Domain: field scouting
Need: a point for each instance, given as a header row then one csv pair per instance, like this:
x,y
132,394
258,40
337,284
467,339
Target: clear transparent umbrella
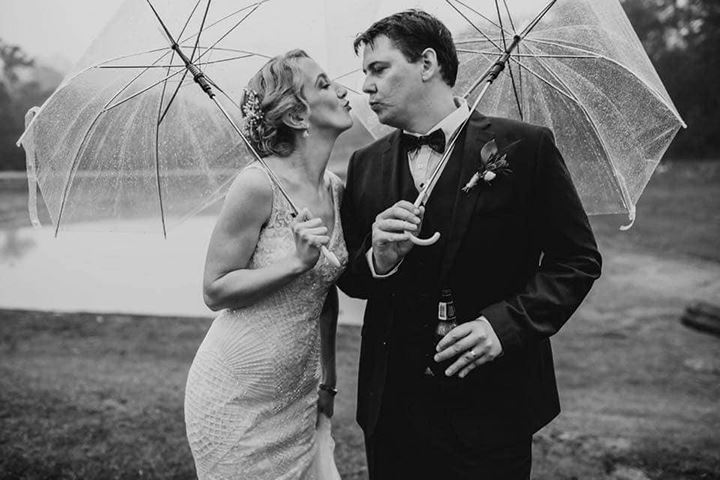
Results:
x,y
144,132
575,66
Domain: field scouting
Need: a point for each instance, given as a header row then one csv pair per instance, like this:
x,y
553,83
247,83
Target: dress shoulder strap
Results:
x,y
338,188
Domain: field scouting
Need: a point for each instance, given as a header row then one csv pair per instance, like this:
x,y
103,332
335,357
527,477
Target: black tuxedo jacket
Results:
x,y
518,250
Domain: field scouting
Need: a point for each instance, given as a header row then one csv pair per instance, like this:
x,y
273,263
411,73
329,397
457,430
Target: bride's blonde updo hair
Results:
x,y
276,89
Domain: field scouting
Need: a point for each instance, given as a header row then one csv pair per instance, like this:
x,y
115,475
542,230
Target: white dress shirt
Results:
x,y
423,161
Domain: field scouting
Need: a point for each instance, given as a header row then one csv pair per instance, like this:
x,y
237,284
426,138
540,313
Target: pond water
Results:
x,y
95,271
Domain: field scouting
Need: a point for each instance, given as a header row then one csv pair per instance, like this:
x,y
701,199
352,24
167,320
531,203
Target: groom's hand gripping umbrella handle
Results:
x,y
423,242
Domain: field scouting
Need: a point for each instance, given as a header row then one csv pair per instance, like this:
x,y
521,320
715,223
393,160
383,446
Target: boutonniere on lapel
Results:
x,y
493,162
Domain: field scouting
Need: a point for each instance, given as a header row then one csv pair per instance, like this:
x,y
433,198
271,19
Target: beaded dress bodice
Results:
x,y
251,394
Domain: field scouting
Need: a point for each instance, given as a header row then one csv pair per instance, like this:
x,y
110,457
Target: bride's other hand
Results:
x,y
310,235
326,403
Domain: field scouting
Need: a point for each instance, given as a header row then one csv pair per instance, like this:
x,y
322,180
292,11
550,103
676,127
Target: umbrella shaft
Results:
x,y
197,74
425,192
257,156
499,65
331,257
494,70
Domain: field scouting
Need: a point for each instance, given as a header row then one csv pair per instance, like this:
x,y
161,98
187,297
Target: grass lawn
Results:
x,y
100,396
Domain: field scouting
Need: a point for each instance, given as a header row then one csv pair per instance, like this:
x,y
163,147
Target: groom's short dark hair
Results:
x,y
412,31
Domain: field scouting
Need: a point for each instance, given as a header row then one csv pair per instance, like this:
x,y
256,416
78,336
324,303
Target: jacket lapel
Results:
x,y
478,133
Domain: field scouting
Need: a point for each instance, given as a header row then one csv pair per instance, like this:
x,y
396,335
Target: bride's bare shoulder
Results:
x,y
250,195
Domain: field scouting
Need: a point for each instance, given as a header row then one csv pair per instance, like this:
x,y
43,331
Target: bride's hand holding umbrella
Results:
x,y
311,236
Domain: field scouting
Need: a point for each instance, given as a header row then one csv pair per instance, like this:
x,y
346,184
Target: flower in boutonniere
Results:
x,y
493,162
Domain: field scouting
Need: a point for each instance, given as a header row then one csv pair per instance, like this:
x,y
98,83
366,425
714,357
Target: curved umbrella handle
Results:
x,y
424,242
331,257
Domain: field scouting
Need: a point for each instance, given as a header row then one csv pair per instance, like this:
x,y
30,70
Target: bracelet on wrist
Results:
x,y
328,388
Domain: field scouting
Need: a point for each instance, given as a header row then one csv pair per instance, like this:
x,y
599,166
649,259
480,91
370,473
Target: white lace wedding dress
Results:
x,y
251,394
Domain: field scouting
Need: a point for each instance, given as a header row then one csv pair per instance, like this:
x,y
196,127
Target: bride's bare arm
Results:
x,y
227,282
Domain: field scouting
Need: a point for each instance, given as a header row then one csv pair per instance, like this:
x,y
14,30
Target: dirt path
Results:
x,y
639,390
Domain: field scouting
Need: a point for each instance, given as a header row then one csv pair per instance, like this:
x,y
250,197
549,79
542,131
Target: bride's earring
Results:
x,y
306,132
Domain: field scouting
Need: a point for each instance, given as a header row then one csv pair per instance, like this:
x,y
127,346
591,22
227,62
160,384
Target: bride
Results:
x,y
264,375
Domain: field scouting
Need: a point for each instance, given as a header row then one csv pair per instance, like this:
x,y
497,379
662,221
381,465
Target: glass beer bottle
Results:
x,y
446,322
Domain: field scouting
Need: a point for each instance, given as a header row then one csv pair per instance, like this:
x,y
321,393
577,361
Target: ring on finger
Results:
x,y
472,353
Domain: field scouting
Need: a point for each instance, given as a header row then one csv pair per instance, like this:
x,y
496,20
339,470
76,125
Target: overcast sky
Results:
x,y
52,28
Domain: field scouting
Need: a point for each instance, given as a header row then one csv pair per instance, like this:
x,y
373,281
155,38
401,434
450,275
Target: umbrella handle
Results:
x,y
331,257
424,242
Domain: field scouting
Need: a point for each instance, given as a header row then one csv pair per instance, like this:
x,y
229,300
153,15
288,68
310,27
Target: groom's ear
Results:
x,y
295,120
429,64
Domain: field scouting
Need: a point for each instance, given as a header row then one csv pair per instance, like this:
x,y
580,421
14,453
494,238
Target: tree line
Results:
x,y
682,38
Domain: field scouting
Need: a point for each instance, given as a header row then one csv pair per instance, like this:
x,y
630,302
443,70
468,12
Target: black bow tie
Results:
x,y
435,140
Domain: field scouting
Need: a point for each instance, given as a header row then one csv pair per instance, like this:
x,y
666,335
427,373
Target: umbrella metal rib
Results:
x,y
209,49
484,17
211,62
161,116
512,77
525,55
202,25
507,10
172,98
483,34
254,6
149,87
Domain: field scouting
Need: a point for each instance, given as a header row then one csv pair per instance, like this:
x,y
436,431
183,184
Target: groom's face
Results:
x,y
393,84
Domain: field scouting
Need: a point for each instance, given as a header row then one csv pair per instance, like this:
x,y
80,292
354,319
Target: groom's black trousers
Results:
x,y
419,437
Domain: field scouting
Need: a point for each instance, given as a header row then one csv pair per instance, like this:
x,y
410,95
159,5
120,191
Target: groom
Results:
x,y
516,254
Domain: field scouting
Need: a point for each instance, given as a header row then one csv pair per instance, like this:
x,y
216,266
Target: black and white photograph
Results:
x,y
360,240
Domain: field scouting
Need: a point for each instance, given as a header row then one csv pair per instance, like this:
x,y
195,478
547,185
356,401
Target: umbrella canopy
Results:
x,y
131,140
575,66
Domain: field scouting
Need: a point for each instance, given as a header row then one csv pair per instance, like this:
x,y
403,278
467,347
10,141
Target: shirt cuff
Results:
x,y
369,257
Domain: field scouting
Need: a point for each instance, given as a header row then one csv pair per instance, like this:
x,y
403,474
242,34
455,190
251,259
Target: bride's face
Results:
x,y
329,107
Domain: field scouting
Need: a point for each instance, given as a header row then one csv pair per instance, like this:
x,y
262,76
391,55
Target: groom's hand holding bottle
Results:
x,y
390,242
473,343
